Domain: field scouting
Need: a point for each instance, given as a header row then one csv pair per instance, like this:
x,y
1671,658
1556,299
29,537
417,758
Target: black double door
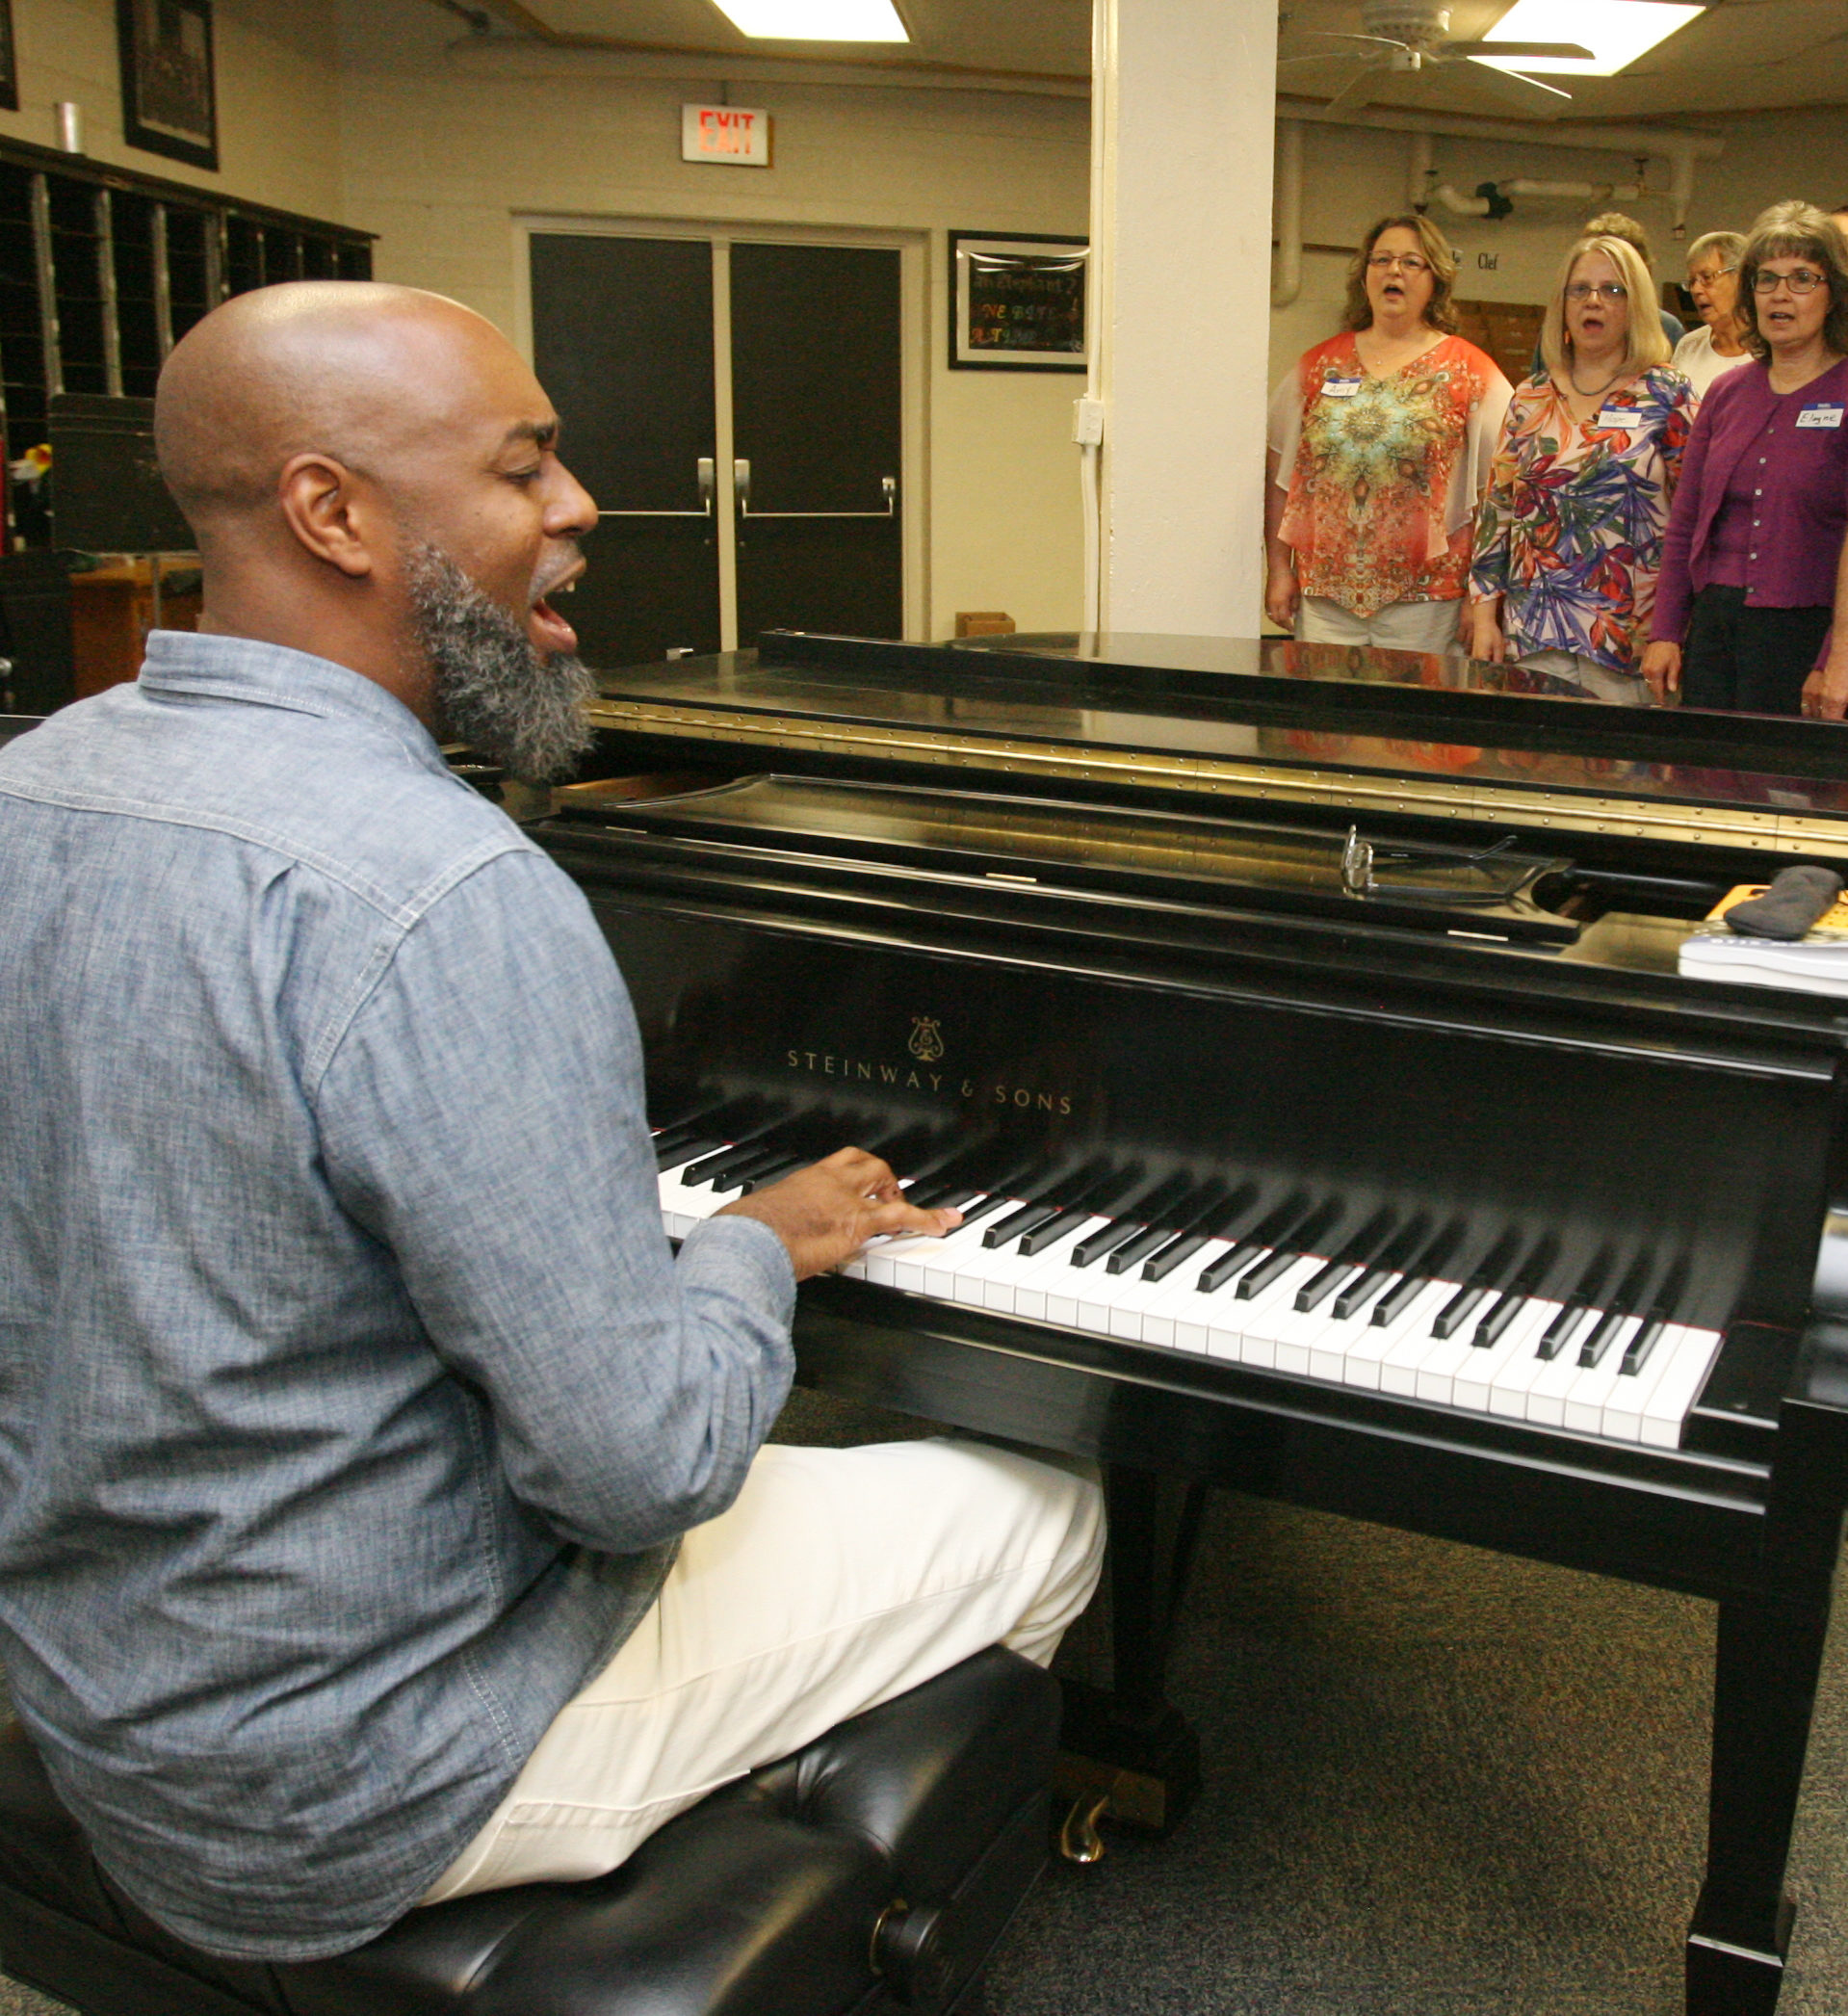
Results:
x,y
734,406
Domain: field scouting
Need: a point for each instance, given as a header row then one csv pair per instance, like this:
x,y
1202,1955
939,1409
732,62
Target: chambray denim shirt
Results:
x,y
350,1396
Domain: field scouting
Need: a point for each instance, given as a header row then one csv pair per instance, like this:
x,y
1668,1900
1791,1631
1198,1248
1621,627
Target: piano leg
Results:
x,y
1130,1753
1764,1688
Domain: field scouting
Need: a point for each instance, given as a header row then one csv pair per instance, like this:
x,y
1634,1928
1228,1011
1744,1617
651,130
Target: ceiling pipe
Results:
x,y
1286,280
1460,205
1664,142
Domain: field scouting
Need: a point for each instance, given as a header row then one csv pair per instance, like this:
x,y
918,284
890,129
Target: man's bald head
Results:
x,y
348,369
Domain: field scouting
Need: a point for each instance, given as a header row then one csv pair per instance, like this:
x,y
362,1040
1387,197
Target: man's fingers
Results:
x,y
900,1217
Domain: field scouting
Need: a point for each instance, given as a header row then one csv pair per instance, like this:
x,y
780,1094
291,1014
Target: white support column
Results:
x,y
1183,104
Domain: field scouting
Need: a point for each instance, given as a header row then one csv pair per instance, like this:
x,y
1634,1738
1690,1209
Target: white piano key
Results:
x,y
1557,1383
1632,1393
1269,1316
1138,1308
1473,1380
1362,1361
1030,1298
1591,1390
1515,1377
1666,1410
1184,1319
1402,1365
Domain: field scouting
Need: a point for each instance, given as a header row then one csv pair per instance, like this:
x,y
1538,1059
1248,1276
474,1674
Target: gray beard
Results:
x,y
491,688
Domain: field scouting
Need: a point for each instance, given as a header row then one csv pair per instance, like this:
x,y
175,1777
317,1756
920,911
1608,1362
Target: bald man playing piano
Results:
x,y
383,1509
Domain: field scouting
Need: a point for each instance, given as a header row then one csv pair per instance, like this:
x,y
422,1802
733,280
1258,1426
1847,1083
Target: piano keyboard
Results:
x,y
1209,1274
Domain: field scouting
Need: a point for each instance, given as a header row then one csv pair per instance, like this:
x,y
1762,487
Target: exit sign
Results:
x,y
737,135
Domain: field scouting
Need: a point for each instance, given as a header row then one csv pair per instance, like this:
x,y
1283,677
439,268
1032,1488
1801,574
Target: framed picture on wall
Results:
x,y
169,101
1017,304
9,60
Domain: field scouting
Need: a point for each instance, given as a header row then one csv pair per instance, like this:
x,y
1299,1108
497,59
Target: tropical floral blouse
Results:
x,y
1569,534
1382,475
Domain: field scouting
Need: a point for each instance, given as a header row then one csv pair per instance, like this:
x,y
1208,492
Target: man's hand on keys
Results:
x,y
827,1213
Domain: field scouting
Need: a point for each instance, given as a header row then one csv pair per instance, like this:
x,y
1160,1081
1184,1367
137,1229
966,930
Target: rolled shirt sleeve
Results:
x,y
483,1115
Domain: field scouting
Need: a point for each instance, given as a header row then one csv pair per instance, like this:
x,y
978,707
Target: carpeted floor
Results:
x,y
1439,1783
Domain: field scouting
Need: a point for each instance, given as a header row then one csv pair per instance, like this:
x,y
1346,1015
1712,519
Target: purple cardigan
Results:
x,y
1803,505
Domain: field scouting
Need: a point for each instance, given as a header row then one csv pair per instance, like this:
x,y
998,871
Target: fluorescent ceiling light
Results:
x,y
1617,32
819,20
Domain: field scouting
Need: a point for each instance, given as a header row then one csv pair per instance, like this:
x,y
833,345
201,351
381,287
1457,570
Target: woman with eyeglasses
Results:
x,y
1380,442
1569,538
1706,354
1742,610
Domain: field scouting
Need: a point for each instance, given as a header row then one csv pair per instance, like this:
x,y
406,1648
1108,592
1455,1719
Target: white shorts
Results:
x,y
1400,626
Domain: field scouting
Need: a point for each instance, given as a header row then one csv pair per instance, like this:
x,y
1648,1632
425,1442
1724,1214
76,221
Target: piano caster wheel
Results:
x,y
1079,1840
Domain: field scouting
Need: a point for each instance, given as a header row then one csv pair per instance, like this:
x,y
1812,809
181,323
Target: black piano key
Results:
x,y
1563,1328
687,1151
1636,1355
1599,1341
1145,1243
1458,1310
1518,1293
1490,1330
1355,1298
1318,1289
1027,1219
1061,1227
949,1196
783,1165
1228,1266
1392,1305
974,1213
714,1165
1256,1279
1181,1246
1249,1240
733,1173
1107,1239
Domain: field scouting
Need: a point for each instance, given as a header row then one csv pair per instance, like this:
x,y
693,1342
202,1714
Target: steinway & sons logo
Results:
x,y
927,1044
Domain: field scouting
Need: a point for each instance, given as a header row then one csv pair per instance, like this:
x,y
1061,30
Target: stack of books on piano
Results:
x,y
1816,963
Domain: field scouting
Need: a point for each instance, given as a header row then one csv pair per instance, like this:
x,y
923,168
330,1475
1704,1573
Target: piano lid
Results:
x,y
1162,857
1360,733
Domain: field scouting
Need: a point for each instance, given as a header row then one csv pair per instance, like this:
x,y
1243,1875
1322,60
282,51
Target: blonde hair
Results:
x,y
1436,248
1730,245
1645,342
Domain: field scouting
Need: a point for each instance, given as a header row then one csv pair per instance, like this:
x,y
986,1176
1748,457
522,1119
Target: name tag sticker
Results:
x,y
1339,387
1820,416
1620,416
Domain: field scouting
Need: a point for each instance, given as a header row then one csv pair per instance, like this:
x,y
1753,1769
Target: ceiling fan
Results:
x,y
1406,37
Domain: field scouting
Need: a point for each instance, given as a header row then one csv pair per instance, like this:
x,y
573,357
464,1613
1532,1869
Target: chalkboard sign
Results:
x,y
1017,304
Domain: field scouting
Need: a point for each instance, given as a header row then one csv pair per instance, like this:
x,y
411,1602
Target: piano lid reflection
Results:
x,y
1304,1044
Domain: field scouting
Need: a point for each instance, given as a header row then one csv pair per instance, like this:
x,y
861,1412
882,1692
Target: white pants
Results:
x,y
839,1577
1400,626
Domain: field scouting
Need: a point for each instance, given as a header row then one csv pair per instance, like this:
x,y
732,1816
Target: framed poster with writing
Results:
x,y
1017,304
170,102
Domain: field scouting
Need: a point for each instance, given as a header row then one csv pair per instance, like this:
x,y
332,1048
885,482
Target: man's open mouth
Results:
x,y
552,633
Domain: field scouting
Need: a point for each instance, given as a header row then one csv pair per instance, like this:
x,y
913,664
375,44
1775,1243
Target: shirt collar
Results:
x,y
258,674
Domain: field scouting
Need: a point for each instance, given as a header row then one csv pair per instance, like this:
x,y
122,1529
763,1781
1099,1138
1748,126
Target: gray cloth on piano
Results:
x,y
351,1398
1795,899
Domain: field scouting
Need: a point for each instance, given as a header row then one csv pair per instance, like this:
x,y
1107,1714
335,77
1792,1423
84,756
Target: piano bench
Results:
x,y
870,1872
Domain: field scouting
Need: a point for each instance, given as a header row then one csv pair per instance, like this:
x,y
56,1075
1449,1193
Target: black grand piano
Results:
x,y
1301,1031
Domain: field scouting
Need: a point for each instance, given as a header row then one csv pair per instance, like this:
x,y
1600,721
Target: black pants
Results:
x,y
1751,660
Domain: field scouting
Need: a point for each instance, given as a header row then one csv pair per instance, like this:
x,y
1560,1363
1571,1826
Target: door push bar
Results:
x,y
707,483
742,488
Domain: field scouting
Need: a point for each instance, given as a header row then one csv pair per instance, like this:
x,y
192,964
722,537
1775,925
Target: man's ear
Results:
x,y
332,511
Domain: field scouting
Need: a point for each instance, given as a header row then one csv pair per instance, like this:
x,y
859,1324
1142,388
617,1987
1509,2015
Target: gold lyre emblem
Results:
x,y
926,1039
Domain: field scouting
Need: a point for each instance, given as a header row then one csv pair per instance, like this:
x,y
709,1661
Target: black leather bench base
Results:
x,y
868,1873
